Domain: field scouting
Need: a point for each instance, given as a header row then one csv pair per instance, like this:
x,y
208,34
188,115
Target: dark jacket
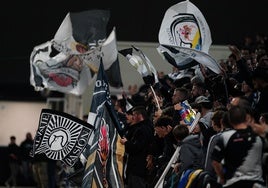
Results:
x,y
169,148
137,147
14,153
26,147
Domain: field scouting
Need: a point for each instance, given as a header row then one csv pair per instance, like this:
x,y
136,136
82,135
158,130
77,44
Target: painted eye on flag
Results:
x,y
185,26
185,31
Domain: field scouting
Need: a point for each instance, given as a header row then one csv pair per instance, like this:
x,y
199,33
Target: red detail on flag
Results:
x,y
61,80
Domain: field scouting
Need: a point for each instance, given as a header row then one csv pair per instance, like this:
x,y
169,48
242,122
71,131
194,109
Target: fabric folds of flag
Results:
x,y
141,63
82,31
110,57
101,168
68,62
62,72
185,58
185,38
61,136
108,54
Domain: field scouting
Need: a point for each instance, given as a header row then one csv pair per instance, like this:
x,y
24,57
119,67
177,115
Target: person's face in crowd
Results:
x,y
245,87
256,84
233,102
195,91
196,130
161,131
231,61
262,119
13,140
263,62
176,97
215,127
136,117
245,54
129,118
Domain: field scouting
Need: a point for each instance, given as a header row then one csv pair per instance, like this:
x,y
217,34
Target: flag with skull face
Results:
x,y
68,62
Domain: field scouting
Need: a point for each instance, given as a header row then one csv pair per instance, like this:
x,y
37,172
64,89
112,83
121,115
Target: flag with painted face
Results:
x,y
68,62
101,169
185,38
62,72
61,136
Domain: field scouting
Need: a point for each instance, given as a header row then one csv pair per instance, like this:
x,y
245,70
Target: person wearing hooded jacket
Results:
x,y
191,153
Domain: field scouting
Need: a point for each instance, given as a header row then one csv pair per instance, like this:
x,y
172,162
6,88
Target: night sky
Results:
x,y
26,24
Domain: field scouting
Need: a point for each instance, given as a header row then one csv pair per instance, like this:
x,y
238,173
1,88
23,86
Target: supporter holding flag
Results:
x,y
101,169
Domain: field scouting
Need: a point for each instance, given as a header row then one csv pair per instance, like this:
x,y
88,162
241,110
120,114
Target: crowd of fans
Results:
x,y
227,147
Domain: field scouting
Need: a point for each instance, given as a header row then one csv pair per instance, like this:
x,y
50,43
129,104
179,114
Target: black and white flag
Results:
x,y
61,136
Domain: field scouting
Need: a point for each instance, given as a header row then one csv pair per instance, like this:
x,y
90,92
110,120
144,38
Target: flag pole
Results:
x,y
173,159
158,106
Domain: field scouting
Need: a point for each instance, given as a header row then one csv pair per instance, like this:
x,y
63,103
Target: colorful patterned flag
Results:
x,y
102,166
61,136
188,115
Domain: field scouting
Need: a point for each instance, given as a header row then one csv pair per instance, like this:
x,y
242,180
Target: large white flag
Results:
x,y
68,71
184,37
68,62
184,25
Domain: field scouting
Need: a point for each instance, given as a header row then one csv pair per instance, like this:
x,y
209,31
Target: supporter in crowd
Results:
x,y
219,127
199,89
260,83
137,143
163,129
191,154
120,108
205,124
261,128
26,160
243,71
179,95
242,84
14,162
241,150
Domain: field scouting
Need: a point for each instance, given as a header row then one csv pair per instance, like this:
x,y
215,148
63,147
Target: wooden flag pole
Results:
x,y
158,106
